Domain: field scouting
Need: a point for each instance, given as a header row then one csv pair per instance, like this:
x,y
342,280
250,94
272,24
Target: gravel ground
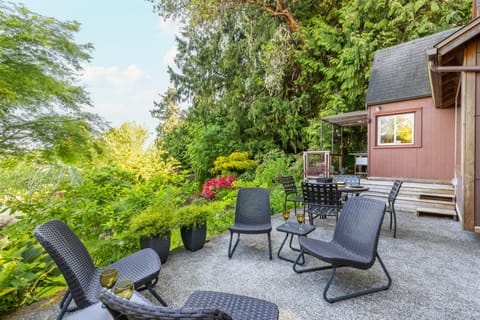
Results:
x,y
435,267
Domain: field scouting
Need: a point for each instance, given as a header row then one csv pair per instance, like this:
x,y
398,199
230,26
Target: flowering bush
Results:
x,y
213,187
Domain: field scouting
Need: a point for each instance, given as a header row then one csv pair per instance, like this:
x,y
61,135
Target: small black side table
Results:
x,y
293,229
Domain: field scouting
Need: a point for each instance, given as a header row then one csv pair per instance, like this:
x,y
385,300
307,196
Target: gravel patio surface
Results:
x,y
434,265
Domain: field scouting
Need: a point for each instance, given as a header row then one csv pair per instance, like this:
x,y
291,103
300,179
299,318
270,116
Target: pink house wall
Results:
x,y
432,155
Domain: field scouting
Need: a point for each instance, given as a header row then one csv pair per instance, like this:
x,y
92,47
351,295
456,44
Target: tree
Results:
x,y
39,68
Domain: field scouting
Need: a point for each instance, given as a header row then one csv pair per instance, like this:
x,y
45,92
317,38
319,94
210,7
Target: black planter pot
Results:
x,y
194,238
160,245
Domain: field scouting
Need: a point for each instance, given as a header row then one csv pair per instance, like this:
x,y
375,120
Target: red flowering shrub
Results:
x,y
213,187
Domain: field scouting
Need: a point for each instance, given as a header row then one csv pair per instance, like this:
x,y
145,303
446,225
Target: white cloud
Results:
x,y
169,57
168,27
113,75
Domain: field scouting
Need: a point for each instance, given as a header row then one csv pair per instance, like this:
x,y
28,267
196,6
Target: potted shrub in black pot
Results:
x,y
192,220
153,226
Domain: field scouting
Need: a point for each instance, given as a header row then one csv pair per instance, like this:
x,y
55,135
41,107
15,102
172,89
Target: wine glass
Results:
x,y
301,220
124,289
286,215
108,277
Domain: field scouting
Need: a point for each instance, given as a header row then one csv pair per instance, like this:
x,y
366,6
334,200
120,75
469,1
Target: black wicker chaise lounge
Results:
x,y
80,273
354,243
200,305
252,216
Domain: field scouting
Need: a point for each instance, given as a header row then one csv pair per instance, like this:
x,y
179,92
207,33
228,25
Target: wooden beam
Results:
x,y
455,69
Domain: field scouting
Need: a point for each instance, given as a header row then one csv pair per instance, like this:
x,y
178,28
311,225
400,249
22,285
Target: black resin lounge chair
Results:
x,y
200,305
252,216
320,200
291,192
80,273
354,243
397,184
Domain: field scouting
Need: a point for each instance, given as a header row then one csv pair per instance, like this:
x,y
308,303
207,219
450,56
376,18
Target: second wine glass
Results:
x,y
301,220
286,215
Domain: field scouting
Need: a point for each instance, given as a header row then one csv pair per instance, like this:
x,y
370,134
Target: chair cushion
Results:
x,y
252,229
237,306
334,254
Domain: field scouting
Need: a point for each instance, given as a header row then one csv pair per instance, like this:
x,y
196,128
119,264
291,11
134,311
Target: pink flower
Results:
x,y
212,188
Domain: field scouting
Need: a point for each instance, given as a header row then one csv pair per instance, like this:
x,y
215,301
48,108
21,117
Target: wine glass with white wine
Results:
x,y
301,220
286,215
108,277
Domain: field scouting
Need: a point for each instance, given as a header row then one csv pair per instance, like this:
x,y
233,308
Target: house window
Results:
x,y
396,129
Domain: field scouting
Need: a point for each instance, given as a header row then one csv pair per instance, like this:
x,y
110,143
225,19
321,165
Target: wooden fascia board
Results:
x,y
459,38
435,78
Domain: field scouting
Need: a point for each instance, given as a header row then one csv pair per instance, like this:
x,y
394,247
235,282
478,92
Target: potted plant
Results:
x,y
154,225
192,221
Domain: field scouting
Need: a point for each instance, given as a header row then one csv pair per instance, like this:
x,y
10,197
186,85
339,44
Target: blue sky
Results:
x,y
133,47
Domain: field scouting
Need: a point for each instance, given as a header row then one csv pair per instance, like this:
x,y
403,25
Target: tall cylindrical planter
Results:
x,y
194,238
161,245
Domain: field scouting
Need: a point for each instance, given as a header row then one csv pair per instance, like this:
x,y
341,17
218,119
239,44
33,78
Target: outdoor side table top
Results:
x,y
293,229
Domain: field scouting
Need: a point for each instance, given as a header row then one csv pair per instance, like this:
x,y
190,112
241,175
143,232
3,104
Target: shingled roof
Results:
x,y
400,72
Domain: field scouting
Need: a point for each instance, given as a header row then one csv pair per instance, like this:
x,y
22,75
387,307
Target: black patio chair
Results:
x,y
80,273
320,200
291,192
354,244
397,184
252,216
200,305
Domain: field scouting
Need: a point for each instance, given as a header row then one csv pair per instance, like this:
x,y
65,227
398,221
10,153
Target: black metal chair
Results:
x,y
80,273
200,305
320,200
397,184
291,192
252,216
354,244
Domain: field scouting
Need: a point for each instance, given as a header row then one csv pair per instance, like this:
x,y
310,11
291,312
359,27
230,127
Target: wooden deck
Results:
x,y
421,198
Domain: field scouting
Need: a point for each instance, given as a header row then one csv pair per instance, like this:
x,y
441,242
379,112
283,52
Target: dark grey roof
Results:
x,y
400,72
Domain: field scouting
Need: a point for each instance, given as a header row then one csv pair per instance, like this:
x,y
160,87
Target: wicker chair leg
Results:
x,y
394,214
358,293
230,249
156,295
269,245
66,300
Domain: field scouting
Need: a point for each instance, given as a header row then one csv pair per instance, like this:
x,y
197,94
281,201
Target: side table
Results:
x,y
293,229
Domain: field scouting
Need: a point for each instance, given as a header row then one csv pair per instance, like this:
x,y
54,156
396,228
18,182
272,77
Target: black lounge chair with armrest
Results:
x,y
354,244
252,216
80,273
200,305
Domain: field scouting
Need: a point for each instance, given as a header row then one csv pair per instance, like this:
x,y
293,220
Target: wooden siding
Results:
x,y
432,156
476,99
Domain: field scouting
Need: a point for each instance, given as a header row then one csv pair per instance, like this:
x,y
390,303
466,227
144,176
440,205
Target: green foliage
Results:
x,y
153,221
192,216
41,105
26,273
235,163
207,143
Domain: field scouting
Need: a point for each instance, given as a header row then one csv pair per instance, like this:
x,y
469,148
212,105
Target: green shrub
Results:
x,y
154,221
236,163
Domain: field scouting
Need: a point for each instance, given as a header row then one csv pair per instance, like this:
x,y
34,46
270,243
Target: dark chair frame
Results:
x,y
320,200
291,192
252,216
200,305
392,197
354,244
80,273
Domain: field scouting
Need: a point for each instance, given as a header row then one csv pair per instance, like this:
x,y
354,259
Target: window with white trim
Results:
x,y
397,129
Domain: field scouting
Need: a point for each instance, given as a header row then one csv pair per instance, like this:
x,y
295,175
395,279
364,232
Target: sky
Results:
x,y
133,47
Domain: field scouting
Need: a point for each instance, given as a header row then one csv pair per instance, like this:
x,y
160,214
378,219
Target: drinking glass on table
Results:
x,y
124,289
108,277
301,219
286,215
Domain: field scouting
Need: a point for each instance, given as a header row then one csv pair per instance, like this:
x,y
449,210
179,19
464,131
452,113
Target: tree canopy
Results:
x,y
265,71
41,103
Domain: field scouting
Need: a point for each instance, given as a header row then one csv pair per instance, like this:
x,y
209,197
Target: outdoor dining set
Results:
x,y
358,221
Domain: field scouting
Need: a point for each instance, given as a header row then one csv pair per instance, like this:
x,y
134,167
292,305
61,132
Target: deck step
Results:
x,y
437,197
437,211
